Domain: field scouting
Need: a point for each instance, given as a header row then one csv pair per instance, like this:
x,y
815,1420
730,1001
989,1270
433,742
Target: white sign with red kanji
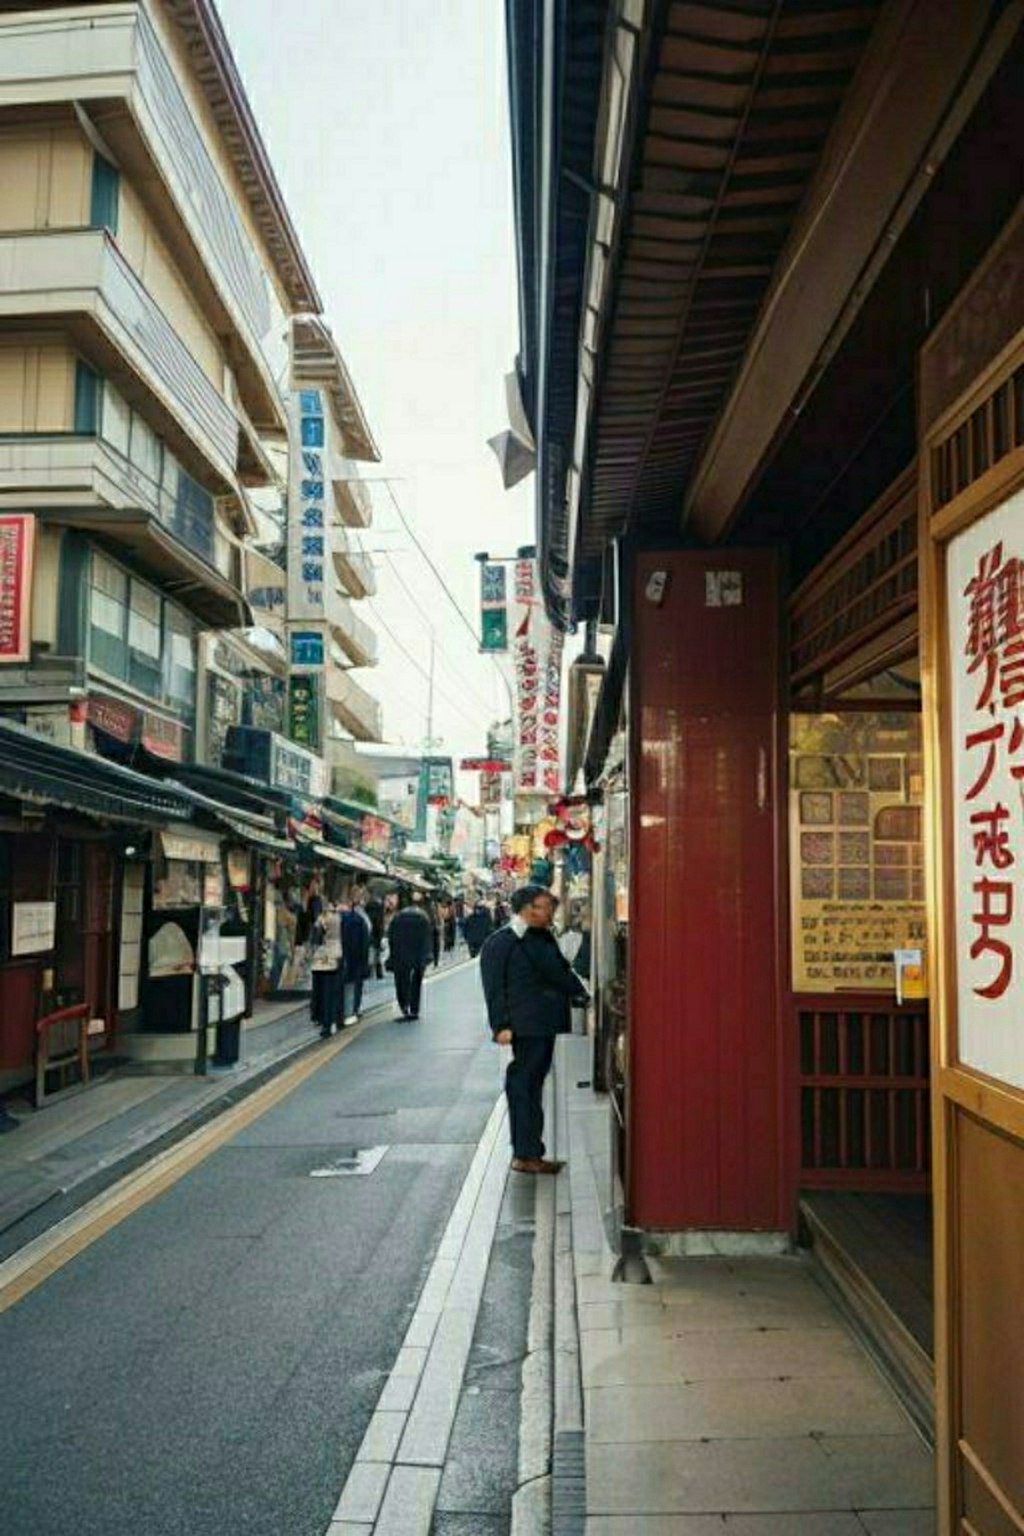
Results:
x,y
985,581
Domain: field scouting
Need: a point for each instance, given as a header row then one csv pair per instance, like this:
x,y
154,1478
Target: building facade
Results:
x,y
770,348
153,299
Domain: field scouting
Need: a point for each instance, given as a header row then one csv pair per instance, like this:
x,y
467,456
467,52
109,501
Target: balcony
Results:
x,y
85,482
355,710
112,62
355,570
354,636
351,499
77,282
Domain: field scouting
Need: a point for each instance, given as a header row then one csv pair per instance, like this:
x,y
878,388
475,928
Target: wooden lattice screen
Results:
x,y
864,1115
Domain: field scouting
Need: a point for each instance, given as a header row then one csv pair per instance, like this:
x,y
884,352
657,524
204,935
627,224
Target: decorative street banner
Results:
x,y
17,539
537,654
307,521
436,789
985,591
493,607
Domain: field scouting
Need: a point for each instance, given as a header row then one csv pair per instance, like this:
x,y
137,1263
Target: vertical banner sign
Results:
x,y
985,586
493,608
538,669
304,709
307,522
17,541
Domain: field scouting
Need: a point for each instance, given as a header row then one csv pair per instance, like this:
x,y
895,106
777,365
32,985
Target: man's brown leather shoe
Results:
x,y
536,1165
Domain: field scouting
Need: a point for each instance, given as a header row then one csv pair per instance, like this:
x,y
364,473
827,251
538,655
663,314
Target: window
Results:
x,y
179,660
105,189
117,420
108,616
144,667
88,394
145,449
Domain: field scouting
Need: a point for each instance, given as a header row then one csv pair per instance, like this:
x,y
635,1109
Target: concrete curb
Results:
x,y
531,1503
568,1461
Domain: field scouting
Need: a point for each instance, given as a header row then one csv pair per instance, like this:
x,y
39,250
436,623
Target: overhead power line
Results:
x,y
478,696
420,668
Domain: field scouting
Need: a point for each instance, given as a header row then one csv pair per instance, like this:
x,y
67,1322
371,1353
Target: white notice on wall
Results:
x,y
33,924
723,589
985,587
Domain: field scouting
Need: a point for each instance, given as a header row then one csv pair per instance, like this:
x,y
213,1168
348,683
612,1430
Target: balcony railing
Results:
x,y
355,637
82,274
356,710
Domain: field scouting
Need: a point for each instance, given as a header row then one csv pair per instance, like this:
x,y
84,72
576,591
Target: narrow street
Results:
x,y
210,1363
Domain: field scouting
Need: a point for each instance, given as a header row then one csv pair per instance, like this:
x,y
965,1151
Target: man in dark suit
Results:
x,y
410,950
355,960
530,989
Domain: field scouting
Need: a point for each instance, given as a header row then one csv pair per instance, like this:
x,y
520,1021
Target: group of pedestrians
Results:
x,y
339,936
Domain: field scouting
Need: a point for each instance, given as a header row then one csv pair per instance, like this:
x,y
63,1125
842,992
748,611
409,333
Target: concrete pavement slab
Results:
x,y
737,1410
825,1523
899,1522
662,1354
761,1476
408,1507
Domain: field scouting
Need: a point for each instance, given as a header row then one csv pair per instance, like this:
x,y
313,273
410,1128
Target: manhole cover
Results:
x,y
352,1165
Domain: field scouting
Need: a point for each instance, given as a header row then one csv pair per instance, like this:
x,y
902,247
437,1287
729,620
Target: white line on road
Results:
x,y
392,1487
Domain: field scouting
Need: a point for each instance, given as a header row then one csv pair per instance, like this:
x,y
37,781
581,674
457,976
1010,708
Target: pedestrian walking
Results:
x,y
374,910
355,954
411,936
530,989
477,928
325,961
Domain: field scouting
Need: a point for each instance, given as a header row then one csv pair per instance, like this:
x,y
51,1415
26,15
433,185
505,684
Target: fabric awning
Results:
x,y
347,858
248,826
39,772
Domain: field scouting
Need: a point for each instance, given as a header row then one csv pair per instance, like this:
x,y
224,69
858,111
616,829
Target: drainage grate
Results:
x,y
355,1164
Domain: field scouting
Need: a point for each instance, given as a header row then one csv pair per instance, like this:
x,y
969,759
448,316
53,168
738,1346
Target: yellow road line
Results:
x,y
41,1258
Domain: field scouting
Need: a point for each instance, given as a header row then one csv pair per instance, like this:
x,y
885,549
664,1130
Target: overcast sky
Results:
x,y
387,123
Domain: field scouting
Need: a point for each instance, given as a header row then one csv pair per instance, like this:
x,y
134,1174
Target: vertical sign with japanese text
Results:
x,y
307,517
17,538
985,590
537,654
493,607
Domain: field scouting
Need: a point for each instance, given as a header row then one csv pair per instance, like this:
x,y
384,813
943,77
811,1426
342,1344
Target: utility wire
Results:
x,y
442,583
429,621
453,703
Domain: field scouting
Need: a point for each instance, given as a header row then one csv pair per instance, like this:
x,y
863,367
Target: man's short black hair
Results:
x,y
527,895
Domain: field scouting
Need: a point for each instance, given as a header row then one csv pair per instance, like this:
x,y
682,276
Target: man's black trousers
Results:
x,y
408,986
524,1088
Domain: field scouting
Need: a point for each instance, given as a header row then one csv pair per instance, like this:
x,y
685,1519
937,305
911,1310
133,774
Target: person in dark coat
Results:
x,y
411,948
374,910
477,928
355,961
530,989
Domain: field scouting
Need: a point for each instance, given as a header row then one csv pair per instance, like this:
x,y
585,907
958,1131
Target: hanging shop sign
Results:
x,y
112,717
307,521
304,709
485,765
493,607
163,737
537,656
17,542
223,709
436,789
985,596
306,647
263,703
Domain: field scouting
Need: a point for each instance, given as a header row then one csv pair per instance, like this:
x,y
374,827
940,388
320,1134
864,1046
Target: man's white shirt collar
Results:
x,y
518,926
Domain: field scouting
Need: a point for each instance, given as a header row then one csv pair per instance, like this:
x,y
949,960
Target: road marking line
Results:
x,y
49,1252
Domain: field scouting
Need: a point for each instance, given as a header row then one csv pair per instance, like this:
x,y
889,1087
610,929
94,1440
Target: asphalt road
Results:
x,y
208,1367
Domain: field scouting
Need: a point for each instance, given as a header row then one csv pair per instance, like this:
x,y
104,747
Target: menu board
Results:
x,y
856,848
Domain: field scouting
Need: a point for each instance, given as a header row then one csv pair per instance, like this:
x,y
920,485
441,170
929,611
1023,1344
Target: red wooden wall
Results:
x,y
706,1110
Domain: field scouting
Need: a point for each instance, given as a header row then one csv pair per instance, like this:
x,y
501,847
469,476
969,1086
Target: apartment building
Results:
x,y
154,297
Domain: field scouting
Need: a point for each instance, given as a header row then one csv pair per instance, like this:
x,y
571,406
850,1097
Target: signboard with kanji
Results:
x,y
17,533
985,656
307,539
537,654
493,607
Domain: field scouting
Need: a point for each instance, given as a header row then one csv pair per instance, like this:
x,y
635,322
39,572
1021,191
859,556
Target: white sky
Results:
x,y
387,123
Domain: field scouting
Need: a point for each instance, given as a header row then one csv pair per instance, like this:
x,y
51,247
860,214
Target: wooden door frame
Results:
x,y
955,1087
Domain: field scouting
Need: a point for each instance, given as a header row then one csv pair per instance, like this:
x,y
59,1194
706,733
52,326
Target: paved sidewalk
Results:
x,y
728,1396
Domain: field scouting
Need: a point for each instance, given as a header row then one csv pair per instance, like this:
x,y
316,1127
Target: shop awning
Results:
x,y
347,858
248,826
40,773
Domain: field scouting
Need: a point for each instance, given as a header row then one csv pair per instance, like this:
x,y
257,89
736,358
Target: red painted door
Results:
x,y
706,1069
